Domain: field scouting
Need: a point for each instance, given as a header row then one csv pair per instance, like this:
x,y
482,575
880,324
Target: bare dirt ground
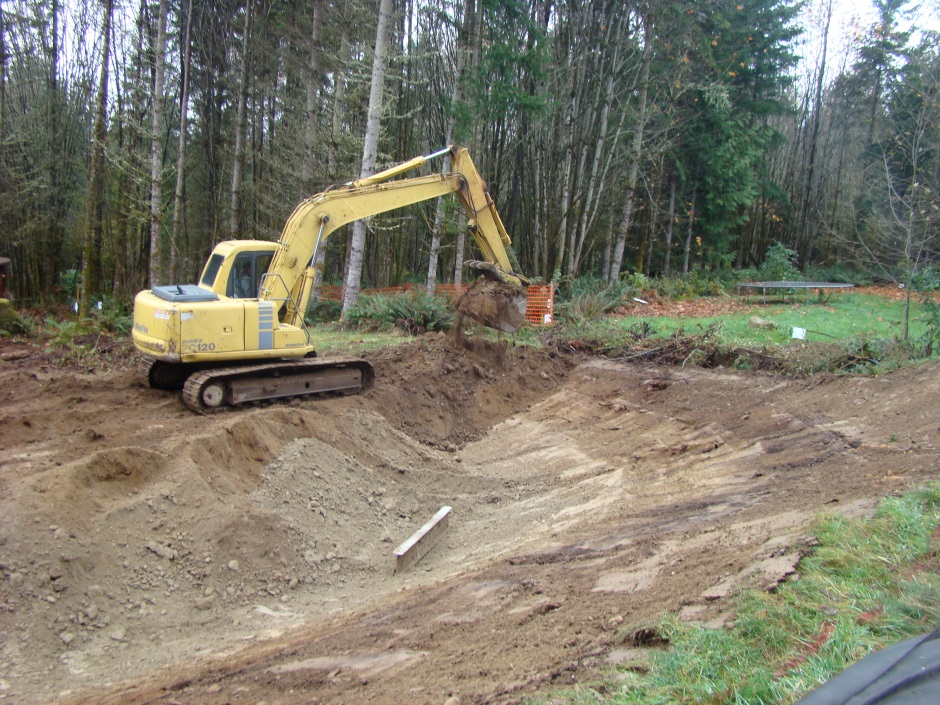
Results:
x,y
149,555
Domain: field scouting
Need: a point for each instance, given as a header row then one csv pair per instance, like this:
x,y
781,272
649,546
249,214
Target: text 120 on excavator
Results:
x,y
239,335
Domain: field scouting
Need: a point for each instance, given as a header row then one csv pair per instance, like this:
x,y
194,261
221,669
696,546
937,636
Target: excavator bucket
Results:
x,y
493,301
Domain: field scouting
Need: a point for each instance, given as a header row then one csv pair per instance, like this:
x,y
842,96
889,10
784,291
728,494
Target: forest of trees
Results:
x,y
657,137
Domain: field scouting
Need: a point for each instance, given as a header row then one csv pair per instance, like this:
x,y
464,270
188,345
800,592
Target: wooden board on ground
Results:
x,y
412,550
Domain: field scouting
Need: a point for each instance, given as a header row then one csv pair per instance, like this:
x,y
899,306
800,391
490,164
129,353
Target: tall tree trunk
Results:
x,y
156,151
3,72
241,124
608,250
475,48
455,97
672,218
540,255
96,168
635,148
595,187
438,224
369,150
181,151
132,245
339,109
577,76
332,156
688,236
314,78
806,230
52,248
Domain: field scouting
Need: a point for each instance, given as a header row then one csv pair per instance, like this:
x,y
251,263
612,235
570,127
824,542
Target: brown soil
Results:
x,y
493,303
148,555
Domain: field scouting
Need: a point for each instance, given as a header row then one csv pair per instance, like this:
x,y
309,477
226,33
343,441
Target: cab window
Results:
x,y
211,270
241,281
262,263
244,279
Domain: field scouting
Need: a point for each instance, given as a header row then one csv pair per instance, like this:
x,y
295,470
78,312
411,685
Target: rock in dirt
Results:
x,y
161,550
204,603
758,322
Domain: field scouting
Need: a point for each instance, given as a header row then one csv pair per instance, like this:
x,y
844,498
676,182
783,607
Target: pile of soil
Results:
x,y
448,389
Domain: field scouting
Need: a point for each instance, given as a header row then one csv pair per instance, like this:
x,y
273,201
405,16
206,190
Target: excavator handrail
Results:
x,y
289,298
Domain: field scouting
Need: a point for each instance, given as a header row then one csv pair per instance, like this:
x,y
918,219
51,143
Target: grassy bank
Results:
x,y
868,584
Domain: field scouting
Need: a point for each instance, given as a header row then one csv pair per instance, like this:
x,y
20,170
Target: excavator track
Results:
x,y
212,390
162,375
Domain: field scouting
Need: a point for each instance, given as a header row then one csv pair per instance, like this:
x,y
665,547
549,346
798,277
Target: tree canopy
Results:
x,y
615,137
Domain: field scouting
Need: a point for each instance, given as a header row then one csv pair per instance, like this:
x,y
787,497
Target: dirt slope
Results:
x,y
150,555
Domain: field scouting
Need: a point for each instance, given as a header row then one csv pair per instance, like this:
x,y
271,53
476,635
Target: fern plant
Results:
x,y
413,312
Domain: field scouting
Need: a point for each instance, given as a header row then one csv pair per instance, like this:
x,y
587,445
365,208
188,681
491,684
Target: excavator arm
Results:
x,y
290,277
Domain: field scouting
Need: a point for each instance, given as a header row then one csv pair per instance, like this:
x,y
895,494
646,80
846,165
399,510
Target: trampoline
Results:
x,y
785,285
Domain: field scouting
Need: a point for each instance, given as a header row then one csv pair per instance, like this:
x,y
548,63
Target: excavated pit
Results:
x,y
251,554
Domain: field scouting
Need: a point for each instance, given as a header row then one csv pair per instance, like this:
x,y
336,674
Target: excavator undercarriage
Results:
x,y
209,388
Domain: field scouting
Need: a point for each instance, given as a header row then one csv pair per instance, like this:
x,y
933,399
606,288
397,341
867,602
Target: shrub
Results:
x,y
11,322
414,312
326,311
638,281
689,286
779,264
839,273
69,282
926,344
115,316
750,274
589,298
926,279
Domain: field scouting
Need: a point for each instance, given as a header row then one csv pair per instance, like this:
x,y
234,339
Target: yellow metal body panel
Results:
x,y
156,327
227,329
226,252
212,328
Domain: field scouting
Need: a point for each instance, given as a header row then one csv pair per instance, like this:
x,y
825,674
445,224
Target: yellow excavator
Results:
x,y
239,334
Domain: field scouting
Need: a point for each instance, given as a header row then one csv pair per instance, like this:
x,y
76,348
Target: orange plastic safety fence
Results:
x,y
540,309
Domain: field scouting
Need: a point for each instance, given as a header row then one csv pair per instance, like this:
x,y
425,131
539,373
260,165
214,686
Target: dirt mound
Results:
x,y
125,518
446,390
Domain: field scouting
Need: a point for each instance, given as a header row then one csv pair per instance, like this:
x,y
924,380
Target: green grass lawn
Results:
x,y
843,320
839,319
